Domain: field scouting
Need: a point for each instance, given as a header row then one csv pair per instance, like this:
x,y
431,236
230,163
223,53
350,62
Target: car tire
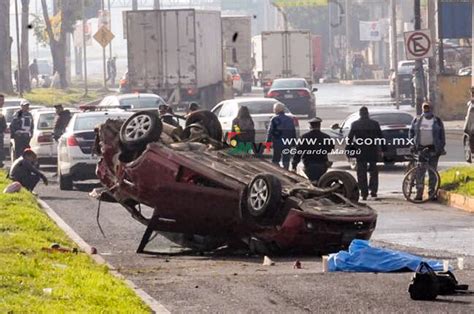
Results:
x,y
208,120
467,151
312,112
140,129
65,182
349,188
264,196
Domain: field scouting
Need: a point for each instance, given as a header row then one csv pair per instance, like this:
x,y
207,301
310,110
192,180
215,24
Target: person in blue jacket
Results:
x,y
281,127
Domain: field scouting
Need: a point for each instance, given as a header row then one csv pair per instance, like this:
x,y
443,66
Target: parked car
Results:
x,y
261,111
395,124
205,196
133,102
237,82
8,112
405,77
75,159
468,136
42,141
466,71
296,94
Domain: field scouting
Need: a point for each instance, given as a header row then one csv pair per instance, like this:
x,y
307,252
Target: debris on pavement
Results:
x,y
362,257
427,284
267,261
297,265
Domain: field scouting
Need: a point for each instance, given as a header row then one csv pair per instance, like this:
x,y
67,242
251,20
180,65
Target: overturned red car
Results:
x,y
204,196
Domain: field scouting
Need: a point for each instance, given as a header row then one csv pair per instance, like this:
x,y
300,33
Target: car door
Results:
x,y
227,114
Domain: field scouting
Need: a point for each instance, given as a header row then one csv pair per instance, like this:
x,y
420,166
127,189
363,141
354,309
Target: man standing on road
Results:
x,y
25,170
281,128
366,138
61,121
34,72
429,136
3,128
314,150
21,128
111,70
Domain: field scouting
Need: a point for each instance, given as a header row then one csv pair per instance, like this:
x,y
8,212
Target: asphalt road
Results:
x,y
235,282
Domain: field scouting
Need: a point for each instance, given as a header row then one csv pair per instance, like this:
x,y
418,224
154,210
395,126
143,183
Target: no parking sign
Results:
x,y
418,44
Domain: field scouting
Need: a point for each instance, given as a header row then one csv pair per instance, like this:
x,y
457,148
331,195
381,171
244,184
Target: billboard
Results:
x,y
455,19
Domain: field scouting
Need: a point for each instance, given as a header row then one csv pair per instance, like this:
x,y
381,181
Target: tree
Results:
x,y
57,44
6,41
24,50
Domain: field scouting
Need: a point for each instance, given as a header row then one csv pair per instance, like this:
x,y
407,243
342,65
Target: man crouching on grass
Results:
x,y
26,171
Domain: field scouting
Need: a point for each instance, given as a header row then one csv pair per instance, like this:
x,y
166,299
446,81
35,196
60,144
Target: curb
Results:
x,y
154,305
458,201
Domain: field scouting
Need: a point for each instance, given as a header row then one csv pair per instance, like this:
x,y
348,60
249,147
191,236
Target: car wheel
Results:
x,y
208,121
312,112
263,196
348,185
140,129
65,182
467,151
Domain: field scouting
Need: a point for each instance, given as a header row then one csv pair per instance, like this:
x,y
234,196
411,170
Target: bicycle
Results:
x,y
418,176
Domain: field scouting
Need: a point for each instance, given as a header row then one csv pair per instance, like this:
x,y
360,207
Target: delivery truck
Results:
x,y
176,54
286,54
237,36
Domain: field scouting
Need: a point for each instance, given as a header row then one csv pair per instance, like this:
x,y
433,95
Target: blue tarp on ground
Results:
x,y
362,257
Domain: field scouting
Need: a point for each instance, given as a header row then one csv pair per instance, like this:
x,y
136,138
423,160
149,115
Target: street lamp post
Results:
x,y
19,67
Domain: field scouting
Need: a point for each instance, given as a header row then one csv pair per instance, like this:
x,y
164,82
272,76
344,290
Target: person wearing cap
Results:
x,y
427,131
3,128
166,115
61,121
313,150
26,170
365,138
281,127
21,129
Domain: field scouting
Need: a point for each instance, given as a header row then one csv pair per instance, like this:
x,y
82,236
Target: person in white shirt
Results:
x,y
429,137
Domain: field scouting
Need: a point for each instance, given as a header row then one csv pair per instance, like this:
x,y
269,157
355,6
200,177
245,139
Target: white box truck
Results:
x,y
286,54
176,54
237,36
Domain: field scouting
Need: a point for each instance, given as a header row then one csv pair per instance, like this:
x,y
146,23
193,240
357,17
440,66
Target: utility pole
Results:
x,y
348,40
104,66
432,82
156,4
394,48
134,4
84,48
110,27
19,67
419,63
331,57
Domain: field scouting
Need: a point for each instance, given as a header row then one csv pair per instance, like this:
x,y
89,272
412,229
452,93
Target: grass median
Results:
x,y
52,96
459,180
36,281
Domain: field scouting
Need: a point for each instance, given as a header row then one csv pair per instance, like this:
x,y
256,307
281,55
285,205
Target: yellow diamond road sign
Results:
x,y
104,36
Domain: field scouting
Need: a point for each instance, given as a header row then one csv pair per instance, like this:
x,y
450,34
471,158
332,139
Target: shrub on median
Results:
x,y
458,180
27,273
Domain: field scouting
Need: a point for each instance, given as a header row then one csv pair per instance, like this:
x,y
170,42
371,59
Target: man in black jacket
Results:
x,y
313,149
21,129
366,139
25,170
3,128
61,121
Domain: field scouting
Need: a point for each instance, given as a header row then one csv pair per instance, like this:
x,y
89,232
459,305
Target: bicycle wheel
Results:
x,y
416,184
